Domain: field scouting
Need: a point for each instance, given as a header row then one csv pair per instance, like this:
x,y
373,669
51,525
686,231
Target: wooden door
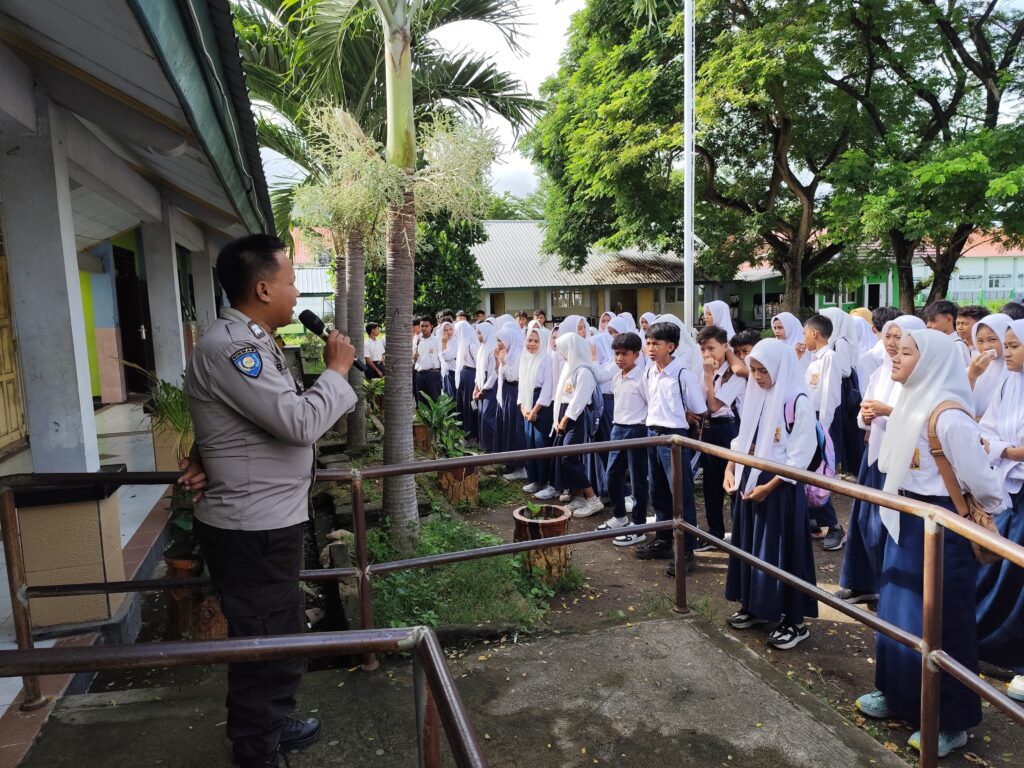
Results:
x,y
12,412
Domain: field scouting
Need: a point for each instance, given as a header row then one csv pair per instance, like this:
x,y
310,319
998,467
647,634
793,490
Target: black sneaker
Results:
x,y
691,566
856,596
834,539
299,734
659,549
743,620
704,546
786,636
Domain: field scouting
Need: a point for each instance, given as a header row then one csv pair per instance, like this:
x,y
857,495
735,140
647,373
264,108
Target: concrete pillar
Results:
x,y
164,297
547,304
40,240
202,283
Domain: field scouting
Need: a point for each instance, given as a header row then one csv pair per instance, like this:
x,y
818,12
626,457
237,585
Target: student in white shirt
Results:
x,y
373,350
876,356
865,542
427,360
466,346
770,514
1000,591
986,370
823,381
485,385
509,432
847,437
674,395
717,313
573,407
942,316
966,317
630,422
723,392
536,391
449,349
931,370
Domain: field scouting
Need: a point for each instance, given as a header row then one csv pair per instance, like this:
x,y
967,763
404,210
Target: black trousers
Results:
x,y
256,574
428,383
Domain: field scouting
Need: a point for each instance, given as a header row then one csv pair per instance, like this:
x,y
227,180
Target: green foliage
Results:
x,y
494,590
495,492
447,438
373,391
508,206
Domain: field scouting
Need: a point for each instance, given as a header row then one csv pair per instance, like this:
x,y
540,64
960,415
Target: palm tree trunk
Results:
x,y
340,290
400,492
355,286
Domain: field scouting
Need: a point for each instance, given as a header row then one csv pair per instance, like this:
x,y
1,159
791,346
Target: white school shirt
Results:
x,y
580,389
605,376
882,388
960,437
824,382
1003,427
449,354
870,362
728,392
428,351
962,348
545,381
794,448
373,349
664,408
630,392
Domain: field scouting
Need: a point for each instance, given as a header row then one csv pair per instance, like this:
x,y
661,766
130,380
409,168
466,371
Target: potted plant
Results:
x,y
448,441
544,521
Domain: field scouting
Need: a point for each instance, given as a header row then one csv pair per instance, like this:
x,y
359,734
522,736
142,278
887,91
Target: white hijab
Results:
x,y
989,381
512,339
792,326
886,390
650,317
765,409
865,334
576,351
721,316
938,376
844,339
627,318
1005,417
485,362
687,351
465,336
441,345
611,316
530,365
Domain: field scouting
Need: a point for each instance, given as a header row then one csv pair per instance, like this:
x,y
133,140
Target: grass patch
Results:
x,y
495,589
496,492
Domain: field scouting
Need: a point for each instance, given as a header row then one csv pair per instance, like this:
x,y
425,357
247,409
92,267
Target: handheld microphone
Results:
x,y
312,323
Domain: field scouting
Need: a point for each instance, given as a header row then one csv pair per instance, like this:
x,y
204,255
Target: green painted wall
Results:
x,y
85,282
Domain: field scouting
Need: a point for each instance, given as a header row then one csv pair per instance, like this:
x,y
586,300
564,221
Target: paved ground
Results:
x,y
682,696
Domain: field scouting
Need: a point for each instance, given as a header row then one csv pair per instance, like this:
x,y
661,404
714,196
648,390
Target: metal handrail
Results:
x,y
936,520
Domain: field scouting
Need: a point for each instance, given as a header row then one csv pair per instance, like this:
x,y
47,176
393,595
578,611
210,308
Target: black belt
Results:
x,y
719,419
608,397
668,430
628,426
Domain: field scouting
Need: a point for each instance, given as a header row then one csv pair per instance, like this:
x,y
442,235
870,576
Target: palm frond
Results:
x,y
282,201
503,15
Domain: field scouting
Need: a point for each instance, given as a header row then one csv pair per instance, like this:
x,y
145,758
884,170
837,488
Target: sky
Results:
x,y
545,24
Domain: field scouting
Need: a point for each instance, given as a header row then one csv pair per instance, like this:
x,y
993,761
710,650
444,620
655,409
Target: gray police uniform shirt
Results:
x,y
254,432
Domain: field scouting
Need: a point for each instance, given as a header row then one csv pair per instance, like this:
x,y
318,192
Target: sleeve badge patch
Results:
x,y
248,361
256,330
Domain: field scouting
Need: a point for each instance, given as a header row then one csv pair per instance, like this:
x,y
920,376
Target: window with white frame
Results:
x,y
969,282
570,298
1000,282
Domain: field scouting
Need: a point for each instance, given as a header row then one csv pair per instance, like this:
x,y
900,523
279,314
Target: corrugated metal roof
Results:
x,y
314,281
512,259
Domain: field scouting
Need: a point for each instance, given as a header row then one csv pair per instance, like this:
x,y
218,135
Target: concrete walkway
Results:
x,y
657,693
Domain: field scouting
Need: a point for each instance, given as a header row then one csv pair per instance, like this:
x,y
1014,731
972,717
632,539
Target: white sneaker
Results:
x,y
628,539
630,504
532,488
546,493
613,523
1015,690
517,474
576,503
651,519
589,507
565,497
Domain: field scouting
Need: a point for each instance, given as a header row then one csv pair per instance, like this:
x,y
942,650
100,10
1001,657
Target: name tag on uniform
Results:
x,y
915,462
814,379
248,362
778,435
568,389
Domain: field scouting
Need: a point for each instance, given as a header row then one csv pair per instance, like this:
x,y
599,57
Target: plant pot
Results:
x,y
165,449
551,563
421,437
459,485
190,615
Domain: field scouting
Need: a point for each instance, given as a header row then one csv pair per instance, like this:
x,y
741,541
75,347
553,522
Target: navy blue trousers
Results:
x,y
635,461
865,538
428,383
720,433
659,468
464,401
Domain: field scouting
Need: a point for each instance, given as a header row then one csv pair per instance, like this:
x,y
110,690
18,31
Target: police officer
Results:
x,y
254,442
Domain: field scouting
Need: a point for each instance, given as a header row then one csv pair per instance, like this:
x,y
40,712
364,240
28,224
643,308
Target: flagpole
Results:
x,y
688,126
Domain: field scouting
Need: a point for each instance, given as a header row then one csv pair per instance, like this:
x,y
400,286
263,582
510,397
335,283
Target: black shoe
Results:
x,y
691,566
258,762
299,734
835,539
659,549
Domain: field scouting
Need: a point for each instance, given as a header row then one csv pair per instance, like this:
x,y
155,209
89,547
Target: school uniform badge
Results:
x,y
248,362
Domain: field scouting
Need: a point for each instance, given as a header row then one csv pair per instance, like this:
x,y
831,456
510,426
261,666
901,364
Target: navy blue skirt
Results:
x,y
448,384
775,530
464,402
570,471
852,434
509,434
1001,598
900,602
487,415
538,435
597,463
865,539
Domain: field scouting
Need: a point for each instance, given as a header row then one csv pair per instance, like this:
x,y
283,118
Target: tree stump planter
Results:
x,y
190,615
550,563
421,437
460,485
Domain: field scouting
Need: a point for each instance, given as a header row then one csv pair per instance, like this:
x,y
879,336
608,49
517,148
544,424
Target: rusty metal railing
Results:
x,y
934,660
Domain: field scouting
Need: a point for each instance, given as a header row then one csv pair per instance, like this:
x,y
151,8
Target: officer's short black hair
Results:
x,y
821,324
627,341
664,332
937,308
245,261
712,333
1014,309
883,315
